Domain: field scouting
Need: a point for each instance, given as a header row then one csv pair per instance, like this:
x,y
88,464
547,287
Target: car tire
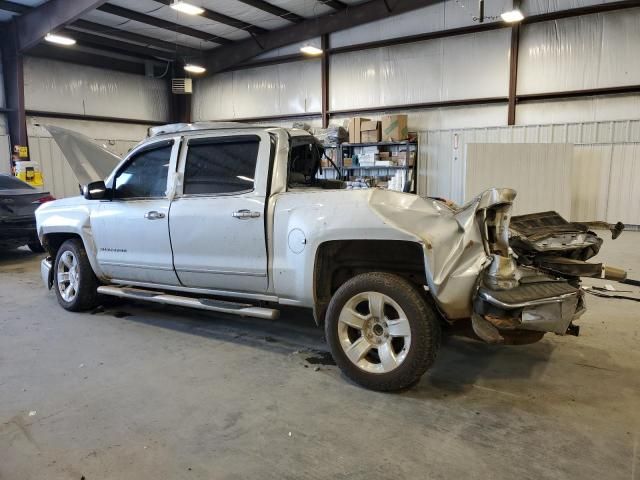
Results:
x,y
382,331
74,282
35,246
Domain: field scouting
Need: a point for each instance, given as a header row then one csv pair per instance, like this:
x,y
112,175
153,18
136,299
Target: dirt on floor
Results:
x,y
133,391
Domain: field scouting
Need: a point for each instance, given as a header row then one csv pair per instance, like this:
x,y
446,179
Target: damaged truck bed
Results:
x,y
551,255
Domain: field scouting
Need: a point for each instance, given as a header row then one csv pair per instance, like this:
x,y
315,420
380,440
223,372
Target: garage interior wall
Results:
x,y
64,88
605,167
589,51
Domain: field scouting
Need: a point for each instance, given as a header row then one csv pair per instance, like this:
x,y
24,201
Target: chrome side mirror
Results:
x,y
95,191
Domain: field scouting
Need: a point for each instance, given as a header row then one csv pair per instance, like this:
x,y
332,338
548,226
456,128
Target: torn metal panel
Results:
x,y
454,246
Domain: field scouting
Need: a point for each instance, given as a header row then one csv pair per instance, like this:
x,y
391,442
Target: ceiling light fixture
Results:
x,y
59,39
187,8
194,68
311,50
513,16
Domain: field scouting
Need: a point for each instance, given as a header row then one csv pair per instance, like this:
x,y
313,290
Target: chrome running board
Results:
x,y
232,308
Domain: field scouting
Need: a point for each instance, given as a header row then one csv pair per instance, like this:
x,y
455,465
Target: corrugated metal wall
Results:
x,y
539,173
589,51
601,188
55,86
265,91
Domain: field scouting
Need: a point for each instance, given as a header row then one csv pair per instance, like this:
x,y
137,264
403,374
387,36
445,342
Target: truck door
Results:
x,y
217,220
131,231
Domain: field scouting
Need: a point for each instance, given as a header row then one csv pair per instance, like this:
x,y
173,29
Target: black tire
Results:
x,y
424,323
35,247
86,297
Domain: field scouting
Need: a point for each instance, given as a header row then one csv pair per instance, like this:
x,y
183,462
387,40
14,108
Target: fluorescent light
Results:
x,y
311,50
187,8
59,39
512,16
195,68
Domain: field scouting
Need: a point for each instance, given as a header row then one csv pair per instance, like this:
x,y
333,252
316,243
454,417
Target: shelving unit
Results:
x,y
352,150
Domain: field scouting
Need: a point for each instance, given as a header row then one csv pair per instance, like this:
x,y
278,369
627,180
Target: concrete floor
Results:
x,y
140,391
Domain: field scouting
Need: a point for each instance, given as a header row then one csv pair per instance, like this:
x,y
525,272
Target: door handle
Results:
x,y
244,214
153,215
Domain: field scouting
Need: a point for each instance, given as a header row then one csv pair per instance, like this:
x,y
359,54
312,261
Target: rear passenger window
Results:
x,y
221,165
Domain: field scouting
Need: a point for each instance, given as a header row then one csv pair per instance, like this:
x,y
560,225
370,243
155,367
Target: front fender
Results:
x,y
69,216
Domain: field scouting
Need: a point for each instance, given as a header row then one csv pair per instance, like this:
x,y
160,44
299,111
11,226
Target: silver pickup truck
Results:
x,y
234,218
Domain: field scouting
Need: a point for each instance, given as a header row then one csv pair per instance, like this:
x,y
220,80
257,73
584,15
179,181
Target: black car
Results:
x,y
18,203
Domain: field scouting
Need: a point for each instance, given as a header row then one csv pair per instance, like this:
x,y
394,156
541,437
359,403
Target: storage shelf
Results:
x,y
379,144
375,167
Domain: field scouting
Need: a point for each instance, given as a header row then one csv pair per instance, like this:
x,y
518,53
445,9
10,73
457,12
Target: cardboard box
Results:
x,y
370,131
355,127
347,162
406,158
384,155
394,128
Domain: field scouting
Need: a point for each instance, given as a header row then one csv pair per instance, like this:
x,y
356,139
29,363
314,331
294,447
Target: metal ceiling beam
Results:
x,y
160,23
100,29
335,4
224,19
224,57
32,26
13,7
93,59
273,10
97,29
144,52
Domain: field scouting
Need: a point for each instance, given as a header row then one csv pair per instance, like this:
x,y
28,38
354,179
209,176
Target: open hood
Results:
x,y
89,161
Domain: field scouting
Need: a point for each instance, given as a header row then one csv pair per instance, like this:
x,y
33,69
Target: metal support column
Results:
x,y
324,72
513,73
12,63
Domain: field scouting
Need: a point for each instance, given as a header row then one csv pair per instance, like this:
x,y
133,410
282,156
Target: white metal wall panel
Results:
x,y
594,173
590,182
264,91
5,154
434,70
539,173
68,88
619,107
624,194
440,16
590,51
536,7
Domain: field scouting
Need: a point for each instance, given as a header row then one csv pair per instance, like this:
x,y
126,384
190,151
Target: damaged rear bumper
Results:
x,y
539,303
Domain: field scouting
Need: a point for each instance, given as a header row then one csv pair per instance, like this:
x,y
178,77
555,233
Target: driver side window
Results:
x,y
145,175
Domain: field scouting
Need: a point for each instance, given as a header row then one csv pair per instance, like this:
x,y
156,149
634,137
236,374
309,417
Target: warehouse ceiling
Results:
x,y
152,31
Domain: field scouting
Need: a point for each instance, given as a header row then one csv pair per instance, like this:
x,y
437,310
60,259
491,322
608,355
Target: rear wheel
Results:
x,y
74,282
382,332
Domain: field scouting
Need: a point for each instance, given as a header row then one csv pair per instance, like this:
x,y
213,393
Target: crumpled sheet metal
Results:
x,y
453,246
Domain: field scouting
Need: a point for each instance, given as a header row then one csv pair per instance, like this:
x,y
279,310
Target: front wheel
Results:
x,y
382,332
75,284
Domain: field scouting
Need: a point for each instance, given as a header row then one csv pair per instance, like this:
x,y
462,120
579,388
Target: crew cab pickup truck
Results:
x,y
234,218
